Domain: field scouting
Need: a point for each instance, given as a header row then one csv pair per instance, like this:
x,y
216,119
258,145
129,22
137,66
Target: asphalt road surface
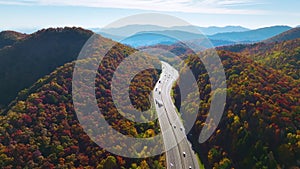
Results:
x,y
180,154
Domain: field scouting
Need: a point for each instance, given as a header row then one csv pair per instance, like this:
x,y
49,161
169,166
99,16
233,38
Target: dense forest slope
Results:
x,y
41,129
8,38
260,124
35,56
282,56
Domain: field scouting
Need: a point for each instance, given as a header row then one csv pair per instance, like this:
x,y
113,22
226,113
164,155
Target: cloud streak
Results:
x,y
18,2
187,6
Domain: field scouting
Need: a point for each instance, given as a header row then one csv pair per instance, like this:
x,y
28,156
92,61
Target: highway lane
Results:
x,y
180,154
174,156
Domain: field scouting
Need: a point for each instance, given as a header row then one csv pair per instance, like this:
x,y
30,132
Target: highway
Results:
x,y
180,154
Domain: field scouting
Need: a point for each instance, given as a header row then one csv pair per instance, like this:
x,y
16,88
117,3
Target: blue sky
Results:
x,y
28,14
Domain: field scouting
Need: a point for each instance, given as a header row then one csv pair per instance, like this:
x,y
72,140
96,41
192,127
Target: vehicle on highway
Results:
x,y
181,128
174,126
184,154
171,164
159,103
190,167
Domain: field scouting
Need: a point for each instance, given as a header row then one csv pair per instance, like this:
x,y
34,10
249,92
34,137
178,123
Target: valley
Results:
x,y
39,127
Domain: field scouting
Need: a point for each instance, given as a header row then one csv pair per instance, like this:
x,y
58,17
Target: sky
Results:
x,y
30,15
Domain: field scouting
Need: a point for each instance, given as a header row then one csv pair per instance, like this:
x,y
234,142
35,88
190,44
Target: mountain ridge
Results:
x,y
285,36
8,38
252,35
128,30
36,55
190,33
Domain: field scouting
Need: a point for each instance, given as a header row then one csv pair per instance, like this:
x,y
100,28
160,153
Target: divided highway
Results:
x,y
180,154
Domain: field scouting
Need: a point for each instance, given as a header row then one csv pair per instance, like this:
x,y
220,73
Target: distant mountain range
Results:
x,y
252,35
288,35
129,30
144,35
160,37
20,53
219,36
214,29
171,37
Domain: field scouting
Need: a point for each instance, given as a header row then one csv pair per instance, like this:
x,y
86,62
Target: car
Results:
x,y
159,81
171,164
190,167
181,128
155,89
159,103
183,154
174,126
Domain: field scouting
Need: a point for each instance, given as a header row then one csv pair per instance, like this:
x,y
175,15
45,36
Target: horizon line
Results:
x,y
29,30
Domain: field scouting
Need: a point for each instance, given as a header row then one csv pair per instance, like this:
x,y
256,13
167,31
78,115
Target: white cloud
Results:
x,y
189,6
18,2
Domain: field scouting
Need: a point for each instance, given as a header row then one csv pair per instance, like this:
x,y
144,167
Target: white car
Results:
x,y
183,154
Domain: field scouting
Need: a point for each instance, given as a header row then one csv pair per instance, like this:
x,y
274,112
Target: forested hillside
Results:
x,y
282,56
8,38
37,55
260,124
41,129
